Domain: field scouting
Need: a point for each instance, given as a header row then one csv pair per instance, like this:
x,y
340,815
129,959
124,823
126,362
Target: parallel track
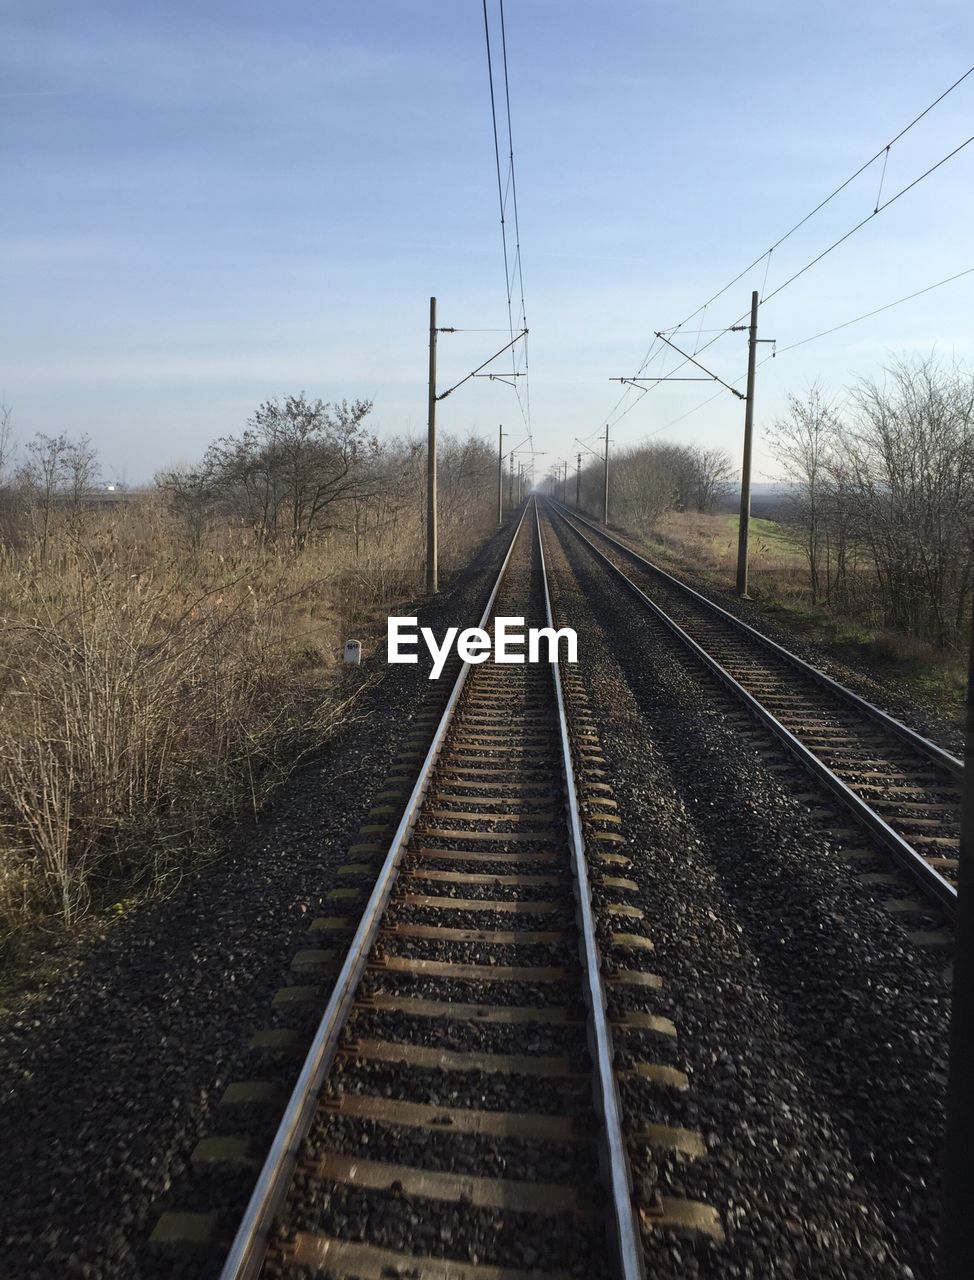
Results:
x,y
471,1009
903,788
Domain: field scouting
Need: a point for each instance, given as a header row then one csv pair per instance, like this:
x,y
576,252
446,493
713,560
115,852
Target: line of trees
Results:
x,y
881,495
647,480
304,471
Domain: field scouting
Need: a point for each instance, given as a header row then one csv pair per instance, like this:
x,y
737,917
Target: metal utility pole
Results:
x,y
578,483
710,376
520,482
605,486
500,474
957,1222
431,548
510,481
744,529
432,558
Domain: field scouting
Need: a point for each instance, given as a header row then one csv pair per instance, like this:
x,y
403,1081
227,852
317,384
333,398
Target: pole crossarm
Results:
x,y
641,382
591,451
743,328
711,375
499,377
506,347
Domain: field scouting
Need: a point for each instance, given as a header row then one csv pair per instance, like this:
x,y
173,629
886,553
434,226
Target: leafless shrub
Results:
x,y
883,499
167,658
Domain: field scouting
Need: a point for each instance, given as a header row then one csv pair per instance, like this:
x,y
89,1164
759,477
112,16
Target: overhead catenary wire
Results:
x,y
523,319
869,217
507,187
824,333
512,175
842,239
868,314
882,153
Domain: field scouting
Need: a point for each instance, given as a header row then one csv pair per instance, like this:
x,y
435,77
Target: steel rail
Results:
x,y
951,763
624,1234
246,1255
933,883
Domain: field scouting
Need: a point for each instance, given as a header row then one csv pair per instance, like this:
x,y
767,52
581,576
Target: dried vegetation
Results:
x,y
169,656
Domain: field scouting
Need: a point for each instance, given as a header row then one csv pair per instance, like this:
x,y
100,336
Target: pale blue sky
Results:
x,y
210,203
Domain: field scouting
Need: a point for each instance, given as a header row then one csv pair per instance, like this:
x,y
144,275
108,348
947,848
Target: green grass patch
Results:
x,y
777,536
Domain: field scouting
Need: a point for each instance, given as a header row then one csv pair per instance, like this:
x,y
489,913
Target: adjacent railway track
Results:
x,y
904,789
458,1113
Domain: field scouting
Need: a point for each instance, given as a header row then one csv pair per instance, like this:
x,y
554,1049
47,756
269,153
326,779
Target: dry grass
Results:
x,y
705,546
149,694
709,543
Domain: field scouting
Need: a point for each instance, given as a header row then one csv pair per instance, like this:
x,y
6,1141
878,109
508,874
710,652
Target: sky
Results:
x,y
210,204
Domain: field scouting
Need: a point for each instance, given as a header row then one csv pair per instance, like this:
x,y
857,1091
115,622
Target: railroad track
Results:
x,y
904,789
458,1114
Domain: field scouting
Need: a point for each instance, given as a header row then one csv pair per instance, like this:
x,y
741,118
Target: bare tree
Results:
x,y
41,478
190,494
82,473
645,482
295,461
8,503
57,473
712,475
6,438
804,443
909,470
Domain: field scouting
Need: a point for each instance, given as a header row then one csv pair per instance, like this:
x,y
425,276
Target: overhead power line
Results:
x,y
882,153
841,240
867,315
878,209
507,189
812,338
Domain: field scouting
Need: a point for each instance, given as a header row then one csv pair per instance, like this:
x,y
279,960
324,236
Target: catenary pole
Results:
x,y
744,529
957,1220
500,474
578,482
605,483
431,531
